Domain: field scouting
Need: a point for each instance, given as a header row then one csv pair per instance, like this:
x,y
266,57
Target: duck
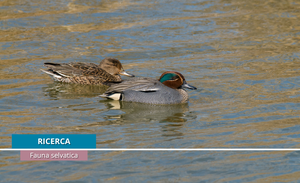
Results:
x,y
168,89
107,72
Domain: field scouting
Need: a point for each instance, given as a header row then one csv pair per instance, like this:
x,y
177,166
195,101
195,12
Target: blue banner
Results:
x,y
53,141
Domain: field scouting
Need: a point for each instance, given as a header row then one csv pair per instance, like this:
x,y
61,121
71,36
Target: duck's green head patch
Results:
x,y
168,76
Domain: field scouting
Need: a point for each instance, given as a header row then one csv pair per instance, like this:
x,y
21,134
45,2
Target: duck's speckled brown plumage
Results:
x,y
87,73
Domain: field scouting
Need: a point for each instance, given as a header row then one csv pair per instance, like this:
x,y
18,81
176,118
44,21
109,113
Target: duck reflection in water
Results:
x,y
59,90
170,117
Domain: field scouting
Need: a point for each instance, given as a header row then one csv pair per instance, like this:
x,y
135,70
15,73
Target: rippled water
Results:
x,y
242,55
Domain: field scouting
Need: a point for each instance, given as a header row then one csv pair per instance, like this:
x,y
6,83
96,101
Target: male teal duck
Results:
x,y
169,89
87,73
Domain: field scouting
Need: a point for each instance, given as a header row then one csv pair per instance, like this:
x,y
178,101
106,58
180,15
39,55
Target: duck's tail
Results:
x,y
53,74
113,96
54,70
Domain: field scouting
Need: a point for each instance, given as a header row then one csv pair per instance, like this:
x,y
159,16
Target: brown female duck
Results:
x,y
108,71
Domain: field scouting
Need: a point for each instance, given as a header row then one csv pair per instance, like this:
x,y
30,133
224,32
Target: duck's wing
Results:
x,y
136,84
78,69
62,70
73,68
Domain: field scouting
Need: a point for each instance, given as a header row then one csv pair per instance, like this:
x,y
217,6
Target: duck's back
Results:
x,y
81,73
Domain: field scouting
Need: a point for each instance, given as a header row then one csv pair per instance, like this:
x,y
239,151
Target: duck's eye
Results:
x,y
175,77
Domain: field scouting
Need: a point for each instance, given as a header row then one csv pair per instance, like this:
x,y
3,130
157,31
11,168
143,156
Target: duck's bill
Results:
x,y
126,74
185,85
